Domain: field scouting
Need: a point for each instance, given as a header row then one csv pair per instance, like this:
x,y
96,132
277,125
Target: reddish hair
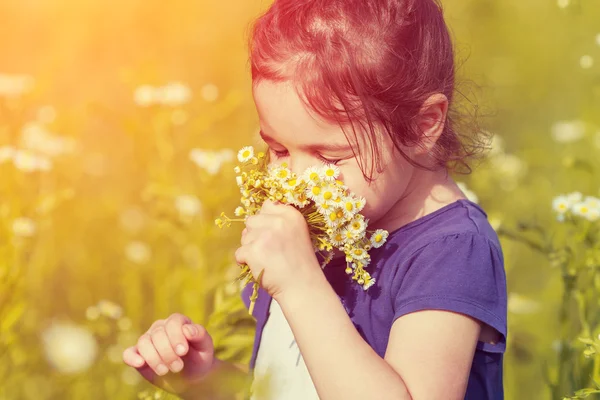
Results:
x,y
367,63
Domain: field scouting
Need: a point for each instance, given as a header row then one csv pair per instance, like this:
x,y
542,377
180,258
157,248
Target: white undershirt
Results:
x,y
279,356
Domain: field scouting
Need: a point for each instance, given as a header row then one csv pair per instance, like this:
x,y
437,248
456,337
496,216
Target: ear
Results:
x,y
431,121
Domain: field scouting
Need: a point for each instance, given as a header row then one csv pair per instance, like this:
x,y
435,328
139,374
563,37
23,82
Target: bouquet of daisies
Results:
x,y
332,213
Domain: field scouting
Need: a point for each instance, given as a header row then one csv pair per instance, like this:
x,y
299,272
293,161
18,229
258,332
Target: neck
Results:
x,y
425,193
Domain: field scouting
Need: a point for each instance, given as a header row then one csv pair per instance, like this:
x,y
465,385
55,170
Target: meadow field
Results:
x,y
120,123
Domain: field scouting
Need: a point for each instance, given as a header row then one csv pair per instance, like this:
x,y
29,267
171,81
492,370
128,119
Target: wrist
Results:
x,y
313,282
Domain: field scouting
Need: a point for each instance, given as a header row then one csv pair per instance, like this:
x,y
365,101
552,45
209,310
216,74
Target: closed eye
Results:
x,y
284,153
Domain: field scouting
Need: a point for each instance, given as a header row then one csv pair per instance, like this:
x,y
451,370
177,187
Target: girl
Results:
x,y
366,86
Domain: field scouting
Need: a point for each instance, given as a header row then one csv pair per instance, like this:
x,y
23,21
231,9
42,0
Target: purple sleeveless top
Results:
x,y
451,260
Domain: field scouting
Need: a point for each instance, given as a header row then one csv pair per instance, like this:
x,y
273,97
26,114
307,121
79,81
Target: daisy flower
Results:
x,y
561,204
593,215
291,183
245,154
350,235
378,238
358,224
328,194
314,193
359,203
330,172
581,209
359,254
368,282
592,202
312,175
282,174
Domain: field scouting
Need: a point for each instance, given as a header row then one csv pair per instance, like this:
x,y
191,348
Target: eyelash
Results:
x,y
280,154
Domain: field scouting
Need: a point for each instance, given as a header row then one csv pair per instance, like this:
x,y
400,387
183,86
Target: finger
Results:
x,y
173,327
254,222
155,324
247,237
200,357
132,358
241,256
269,206
148,352
198,337
162,344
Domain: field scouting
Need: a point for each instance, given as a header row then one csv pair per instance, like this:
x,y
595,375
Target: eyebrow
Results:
x,y
313,147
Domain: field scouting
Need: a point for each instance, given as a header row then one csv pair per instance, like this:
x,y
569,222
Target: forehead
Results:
x,y
284,117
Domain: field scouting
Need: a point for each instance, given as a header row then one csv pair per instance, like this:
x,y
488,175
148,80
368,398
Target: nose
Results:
x,y
299,164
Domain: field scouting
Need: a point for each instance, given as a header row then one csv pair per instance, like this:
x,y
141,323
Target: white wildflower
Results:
x,y
27,161
110,309
586,61
188,205
519,304
92,313
145,96
69,348
211,161
15,85
379,237
35,137
245,154
561,204
330,172
311,175
568,131
24,227
174,94
138,252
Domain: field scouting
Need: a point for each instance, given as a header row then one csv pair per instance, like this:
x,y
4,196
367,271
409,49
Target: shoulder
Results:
x,y
460,226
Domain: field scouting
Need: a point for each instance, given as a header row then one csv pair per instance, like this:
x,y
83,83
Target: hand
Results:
x,y
175,344
277,241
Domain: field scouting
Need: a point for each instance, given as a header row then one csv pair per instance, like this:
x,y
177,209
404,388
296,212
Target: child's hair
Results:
x,y
366,62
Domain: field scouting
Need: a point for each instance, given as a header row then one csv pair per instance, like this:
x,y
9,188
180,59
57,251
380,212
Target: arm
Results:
x,y
225,381
343,366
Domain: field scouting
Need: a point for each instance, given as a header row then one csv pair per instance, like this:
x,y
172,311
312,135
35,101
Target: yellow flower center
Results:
x,y
378,237
316,190
327,195
246,153
358,252
292,182
282,174
314,176
330,172
333,216
349,206
356,225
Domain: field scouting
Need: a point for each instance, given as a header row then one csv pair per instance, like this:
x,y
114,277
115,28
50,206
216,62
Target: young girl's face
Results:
x,y
302,139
